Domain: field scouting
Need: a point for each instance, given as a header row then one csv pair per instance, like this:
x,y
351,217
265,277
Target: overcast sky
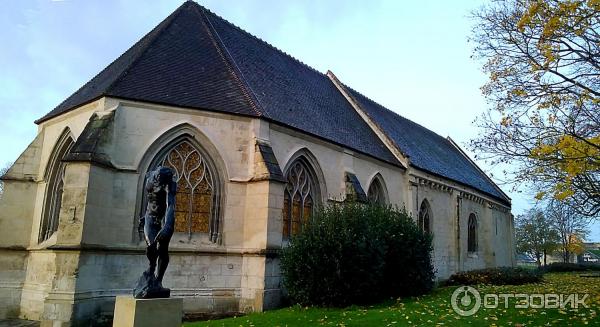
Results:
x,y
411,56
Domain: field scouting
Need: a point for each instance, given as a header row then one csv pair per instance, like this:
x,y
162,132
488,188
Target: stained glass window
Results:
x,y
425,217
196,206
376,193
299,198
472,234
55,173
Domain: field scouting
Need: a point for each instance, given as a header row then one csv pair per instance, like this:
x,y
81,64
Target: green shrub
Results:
x,y
567,267
357,254
496,276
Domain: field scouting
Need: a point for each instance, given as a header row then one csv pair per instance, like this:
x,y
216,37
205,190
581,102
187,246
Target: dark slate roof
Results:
x,y
176,63
196,59
293,93
427,150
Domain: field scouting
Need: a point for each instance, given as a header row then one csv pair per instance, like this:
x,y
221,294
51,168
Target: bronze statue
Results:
x,y
158,224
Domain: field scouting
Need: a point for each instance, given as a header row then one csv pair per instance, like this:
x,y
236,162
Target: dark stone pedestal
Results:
x,y
130,312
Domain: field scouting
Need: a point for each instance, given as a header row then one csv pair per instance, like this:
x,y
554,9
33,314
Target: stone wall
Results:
x,y
451,204
442,224
208,282
13,267
333,161
476,260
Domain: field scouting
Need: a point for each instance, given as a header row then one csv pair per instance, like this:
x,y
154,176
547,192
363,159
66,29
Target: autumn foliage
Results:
x,y
496,276
543,63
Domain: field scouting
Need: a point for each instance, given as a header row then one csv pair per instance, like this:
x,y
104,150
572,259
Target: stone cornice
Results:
x,y
472,197
434,185
497,207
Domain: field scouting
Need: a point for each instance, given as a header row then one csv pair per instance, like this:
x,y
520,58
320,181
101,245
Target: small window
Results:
x,y
425,217
377,193
496,220
472,237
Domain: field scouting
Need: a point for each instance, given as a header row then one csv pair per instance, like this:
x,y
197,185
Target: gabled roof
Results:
x,y
427,150
196,59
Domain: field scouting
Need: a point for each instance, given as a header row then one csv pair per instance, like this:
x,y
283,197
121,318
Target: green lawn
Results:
x,y
435,310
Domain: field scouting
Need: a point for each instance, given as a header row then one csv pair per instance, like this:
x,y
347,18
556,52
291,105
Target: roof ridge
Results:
x,y
159,30
263,41
229,61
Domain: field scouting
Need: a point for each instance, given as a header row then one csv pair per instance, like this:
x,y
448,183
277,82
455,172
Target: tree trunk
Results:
x,y
544,258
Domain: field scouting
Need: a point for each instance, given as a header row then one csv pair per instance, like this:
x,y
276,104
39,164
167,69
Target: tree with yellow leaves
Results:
x,y
543,63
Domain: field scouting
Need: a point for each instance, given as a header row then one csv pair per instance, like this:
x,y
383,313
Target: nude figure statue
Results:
x,y
158,224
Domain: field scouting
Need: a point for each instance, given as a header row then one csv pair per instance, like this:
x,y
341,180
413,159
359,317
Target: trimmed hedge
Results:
x,y
496,276
357,254
567,267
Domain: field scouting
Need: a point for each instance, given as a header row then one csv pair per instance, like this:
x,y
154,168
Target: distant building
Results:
x,y
525,260
591,253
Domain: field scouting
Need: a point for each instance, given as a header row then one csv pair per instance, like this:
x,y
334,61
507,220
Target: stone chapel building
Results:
x,y
258,140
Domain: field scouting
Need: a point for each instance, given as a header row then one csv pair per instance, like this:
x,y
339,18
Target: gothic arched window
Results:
x,y
300,194
425,217
377,192
55,173
198,190
472,234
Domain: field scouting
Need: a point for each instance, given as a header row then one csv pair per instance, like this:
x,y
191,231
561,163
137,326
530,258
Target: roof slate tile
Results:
x,y
427,150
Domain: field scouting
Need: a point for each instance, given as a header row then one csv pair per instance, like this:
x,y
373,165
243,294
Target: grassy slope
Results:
x,y
434,309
